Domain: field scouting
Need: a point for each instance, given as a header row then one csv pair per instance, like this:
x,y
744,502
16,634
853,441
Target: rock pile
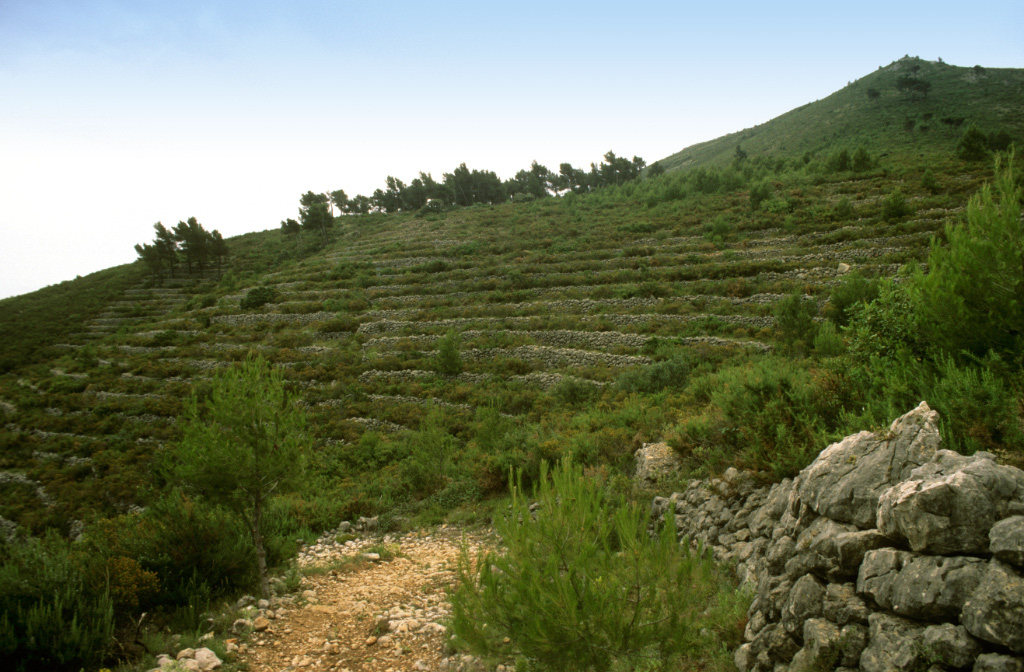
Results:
x,y
886,553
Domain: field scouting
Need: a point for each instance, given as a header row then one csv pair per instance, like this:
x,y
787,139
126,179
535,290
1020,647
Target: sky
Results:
x,y
116,114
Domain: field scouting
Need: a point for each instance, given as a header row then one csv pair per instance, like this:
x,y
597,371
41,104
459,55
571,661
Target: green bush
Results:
x,y
672,374
977,407
852,291
52,618
760,192
766,415
895,206
448,361
582,585
794,319
573,391
828,342
843,209
972,298
258,296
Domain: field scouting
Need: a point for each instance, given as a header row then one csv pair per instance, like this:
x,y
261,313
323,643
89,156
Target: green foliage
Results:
x,y
929,182
973,145
972,299
671,374
448,361
581,585
895,206
52,618
768,415
573,392
257,296
861,160
242,446
828,342
885,328
759,192
844,208
852,291
794,318
977,407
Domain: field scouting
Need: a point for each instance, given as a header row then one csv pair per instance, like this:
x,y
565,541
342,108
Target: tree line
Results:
x,y
463,187
187,243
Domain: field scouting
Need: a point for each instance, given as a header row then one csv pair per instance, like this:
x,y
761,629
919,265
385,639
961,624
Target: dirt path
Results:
x,y
386,616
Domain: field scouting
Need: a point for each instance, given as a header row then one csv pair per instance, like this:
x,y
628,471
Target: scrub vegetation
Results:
x,y
748,300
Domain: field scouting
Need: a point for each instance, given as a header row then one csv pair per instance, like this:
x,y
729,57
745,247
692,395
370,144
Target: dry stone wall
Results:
x,y
886,553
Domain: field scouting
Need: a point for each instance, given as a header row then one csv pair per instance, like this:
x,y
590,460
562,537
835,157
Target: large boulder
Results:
x,y
995,610
1006,541
935,588
894,643
949,505
846,480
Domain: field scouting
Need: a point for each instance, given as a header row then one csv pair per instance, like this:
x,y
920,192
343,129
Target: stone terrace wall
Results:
x,y
886,553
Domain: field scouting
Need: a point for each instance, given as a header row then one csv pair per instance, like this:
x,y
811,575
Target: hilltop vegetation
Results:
x,y
910,106
747,311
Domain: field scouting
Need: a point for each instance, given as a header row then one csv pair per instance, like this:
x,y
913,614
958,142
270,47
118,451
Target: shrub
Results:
x,y
448,361
861,160
51,618
573,391
895,206
582,585
973,145
828,342
978,409
844,208
794,318
760,192
671,374
766,415
258,296
855,289
929,183
971,298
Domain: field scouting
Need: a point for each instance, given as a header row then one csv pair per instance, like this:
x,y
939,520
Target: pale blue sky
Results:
x,y
117,114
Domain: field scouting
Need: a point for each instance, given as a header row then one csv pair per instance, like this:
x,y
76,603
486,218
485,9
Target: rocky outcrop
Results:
x,y
886,553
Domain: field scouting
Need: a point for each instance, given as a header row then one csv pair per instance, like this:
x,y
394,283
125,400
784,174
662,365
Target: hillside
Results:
x,y
745,312
895,121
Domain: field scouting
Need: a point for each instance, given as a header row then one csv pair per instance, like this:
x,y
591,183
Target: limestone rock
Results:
x,y
995,610
950,504
1006,541
260,624
878,573
846,480
805,601
656,462
935,588
996,662
852,546
951,645
207,659
821,647
894,643
842,606
853,639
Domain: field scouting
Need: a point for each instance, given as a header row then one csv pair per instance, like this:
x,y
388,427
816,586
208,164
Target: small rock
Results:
x,y
260,624
186,653
370,641
372,557
207,659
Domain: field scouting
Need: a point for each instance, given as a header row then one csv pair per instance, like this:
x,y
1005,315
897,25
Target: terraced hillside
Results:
x,y
436,352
